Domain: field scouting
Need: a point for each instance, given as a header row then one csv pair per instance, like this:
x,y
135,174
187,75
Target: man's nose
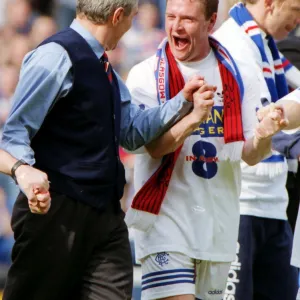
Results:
x,y
177,25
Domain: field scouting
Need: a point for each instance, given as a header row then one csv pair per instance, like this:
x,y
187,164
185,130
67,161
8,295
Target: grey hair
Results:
x,y
98,11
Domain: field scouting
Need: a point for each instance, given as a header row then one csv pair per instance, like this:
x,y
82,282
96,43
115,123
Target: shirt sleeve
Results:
x,y
293,96
139,125
287,144
45,77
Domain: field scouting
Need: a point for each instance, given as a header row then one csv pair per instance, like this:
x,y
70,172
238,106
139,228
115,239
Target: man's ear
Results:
x,y
212,22
117,16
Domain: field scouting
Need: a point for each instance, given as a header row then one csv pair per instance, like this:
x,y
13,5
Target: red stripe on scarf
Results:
x,y
251,28
285,63
150,197
221,51
267,70
233,127
277,67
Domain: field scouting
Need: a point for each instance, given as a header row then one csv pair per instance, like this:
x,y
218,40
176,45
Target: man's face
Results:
x,y
283,18
187,28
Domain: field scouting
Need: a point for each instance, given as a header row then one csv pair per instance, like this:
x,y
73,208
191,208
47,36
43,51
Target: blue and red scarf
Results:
x,y
278,88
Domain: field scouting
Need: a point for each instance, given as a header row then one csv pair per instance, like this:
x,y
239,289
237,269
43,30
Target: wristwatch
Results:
x,y
15,167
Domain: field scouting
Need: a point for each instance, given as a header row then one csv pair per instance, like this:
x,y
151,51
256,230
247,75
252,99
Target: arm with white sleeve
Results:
x,y
291,105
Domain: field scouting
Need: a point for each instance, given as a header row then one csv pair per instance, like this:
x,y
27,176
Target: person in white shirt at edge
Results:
x,y
186,242
291,107
262,268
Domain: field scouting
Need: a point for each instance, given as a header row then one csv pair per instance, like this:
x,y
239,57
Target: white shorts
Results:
x,y
169,274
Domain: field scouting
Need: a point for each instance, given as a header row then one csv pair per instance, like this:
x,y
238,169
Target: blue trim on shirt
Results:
x,y
168,272
167,283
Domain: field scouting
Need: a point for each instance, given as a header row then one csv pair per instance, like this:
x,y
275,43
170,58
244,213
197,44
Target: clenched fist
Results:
x,y
203,102
35,185
272,120
194,83
271,108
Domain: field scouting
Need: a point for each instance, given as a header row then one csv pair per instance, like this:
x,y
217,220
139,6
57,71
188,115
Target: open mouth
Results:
x,y
180,43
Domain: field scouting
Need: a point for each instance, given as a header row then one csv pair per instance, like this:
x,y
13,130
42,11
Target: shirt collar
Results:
x,y
90,39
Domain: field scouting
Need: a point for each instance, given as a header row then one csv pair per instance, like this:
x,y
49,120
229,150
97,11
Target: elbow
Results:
x,y
154,151
154,154
251,161
254,160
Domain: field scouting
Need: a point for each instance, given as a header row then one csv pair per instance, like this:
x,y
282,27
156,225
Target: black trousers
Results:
x,y
73,252
293,188
262,270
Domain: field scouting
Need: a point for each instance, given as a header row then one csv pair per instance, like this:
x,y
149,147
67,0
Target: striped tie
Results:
x,y
107,67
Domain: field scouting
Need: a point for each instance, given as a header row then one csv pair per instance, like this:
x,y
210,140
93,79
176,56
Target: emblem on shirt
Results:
x,y
220,97
162,258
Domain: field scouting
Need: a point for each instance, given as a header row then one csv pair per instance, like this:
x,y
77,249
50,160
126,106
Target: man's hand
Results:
x,y
272,121
194,83
272,107
35,185
203,102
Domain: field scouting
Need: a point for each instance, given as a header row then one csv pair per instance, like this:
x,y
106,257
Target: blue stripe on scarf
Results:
x,y
279,87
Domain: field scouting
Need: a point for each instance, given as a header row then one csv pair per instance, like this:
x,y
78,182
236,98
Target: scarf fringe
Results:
x,y
271,169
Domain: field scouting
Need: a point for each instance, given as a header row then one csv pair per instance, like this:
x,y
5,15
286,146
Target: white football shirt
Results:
x,y
199,217
295,96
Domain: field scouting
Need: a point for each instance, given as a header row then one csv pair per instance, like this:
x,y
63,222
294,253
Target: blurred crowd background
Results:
x,y
26,23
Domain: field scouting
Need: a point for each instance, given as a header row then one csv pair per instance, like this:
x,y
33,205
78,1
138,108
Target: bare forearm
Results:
x,y
6,162
292,113
173,138
255,150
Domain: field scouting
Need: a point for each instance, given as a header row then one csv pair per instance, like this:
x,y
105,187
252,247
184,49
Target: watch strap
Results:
x,y
15,167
